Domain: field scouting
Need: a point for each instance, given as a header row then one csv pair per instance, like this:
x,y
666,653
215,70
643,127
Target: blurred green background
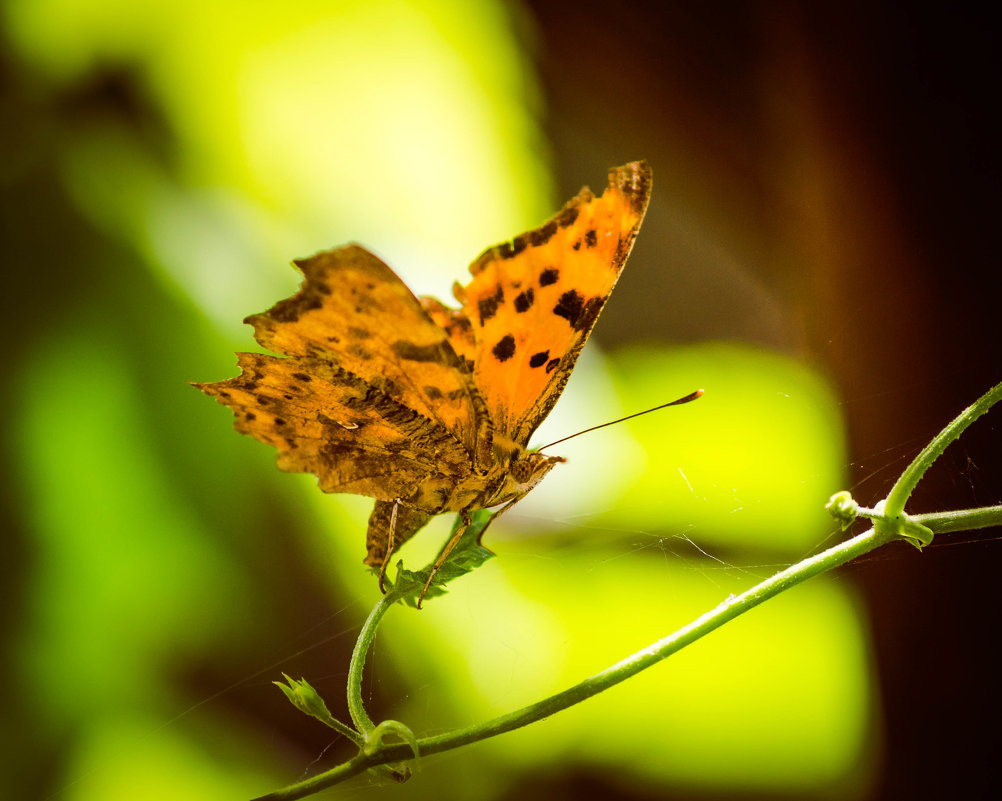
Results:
x,y
825,206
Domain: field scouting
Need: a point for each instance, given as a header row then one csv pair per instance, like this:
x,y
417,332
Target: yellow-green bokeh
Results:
x,y
416,128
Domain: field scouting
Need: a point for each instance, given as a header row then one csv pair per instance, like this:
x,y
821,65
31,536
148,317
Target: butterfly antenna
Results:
x,y
690,397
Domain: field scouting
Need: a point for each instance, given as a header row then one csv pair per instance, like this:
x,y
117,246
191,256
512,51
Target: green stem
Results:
x,y
964,520
905,485
727,610
357,764
356,708
621,671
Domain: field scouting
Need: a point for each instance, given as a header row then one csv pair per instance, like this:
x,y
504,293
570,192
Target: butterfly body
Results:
x,y
426,408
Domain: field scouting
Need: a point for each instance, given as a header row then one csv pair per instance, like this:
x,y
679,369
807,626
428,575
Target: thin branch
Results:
x,y
621,671
905,485
356,707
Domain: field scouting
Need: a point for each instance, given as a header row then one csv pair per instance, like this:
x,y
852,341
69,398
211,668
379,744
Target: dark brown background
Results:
x,y
848,154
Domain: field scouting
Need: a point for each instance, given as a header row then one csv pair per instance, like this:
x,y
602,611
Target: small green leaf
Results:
x,y
302,696
468,555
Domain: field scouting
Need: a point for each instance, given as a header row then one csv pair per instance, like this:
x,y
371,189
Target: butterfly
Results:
x,y
424,407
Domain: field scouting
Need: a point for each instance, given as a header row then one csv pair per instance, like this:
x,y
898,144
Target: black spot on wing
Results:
x,y
539,359
549,276
591,238
552,365
524,301
488,307
505,348
509,250
543,235
569,307
568,216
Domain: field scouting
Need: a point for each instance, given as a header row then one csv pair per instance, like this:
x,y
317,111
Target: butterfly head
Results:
x,y
527,469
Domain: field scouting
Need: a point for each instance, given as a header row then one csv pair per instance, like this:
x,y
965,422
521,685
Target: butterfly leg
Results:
x,y
444,554
391,524
389,544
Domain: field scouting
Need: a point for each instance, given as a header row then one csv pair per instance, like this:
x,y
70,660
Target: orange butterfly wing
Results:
x,y
533,301
326,421
355,312
368,395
